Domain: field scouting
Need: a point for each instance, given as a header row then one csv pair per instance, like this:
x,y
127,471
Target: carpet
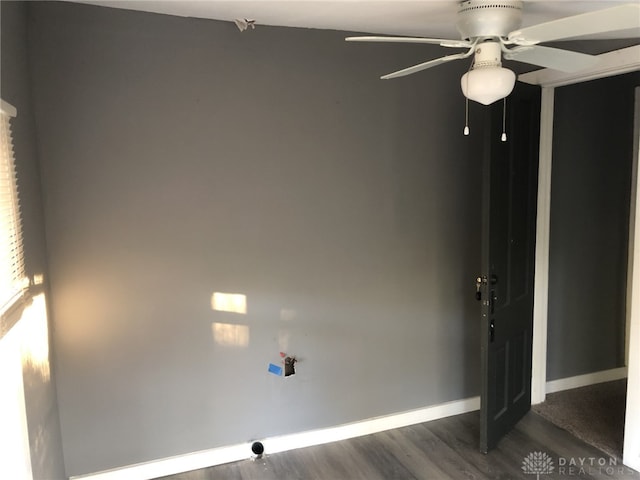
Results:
x,y
594,414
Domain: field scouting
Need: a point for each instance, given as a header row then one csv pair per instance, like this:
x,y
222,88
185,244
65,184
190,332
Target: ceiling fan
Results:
x,y
490,30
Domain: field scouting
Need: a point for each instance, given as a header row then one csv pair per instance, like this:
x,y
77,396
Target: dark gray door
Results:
x,y
506,282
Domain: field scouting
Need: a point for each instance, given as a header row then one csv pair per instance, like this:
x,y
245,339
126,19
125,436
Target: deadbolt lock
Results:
x,y
481,280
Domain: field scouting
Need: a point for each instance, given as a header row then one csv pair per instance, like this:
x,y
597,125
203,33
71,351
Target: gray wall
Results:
x,y
40,392
591,178
182,157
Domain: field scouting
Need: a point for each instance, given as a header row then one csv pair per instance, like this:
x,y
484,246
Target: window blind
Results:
x,y
12,273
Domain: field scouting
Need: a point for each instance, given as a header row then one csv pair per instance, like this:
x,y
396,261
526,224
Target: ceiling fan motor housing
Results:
x,y
488,18
487,54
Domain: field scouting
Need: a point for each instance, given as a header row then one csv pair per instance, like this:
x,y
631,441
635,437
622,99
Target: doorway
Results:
x,y
589,244
613,63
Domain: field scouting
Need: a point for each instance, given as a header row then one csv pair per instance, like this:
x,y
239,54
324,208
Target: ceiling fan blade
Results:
x,y
623,17
555,58
436,41
425,65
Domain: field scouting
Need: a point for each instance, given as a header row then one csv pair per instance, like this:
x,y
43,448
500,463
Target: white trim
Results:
x,y
586,379
7,108
611,63
632,223
218,456
541,282
631,449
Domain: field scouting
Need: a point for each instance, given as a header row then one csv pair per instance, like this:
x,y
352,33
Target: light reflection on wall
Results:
x,y
34,334
288,314
14,435
230,335
229,302
25,346
283,340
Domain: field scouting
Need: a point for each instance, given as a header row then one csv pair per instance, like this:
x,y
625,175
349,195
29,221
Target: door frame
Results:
x,y
613,63
631,445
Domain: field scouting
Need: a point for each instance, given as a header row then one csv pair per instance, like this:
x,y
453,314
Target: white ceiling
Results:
x,y
434,18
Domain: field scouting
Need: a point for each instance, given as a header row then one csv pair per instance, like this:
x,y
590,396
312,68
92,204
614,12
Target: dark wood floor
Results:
x,y
442,449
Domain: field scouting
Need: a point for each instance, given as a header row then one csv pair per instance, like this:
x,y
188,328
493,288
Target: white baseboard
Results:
x,y
587,379
233,453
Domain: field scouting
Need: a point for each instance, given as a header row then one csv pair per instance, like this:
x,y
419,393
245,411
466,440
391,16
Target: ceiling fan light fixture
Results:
x,y
487,84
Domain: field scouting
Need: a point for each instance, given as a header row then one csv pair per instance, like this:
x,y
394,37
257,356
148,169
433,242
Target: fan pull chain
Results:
x,y
466,116
504,120
466,103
